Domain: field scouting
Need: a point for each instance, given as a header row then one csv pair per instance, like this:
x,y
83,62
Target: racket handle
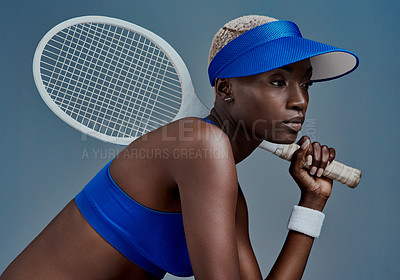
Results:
x,y
344,174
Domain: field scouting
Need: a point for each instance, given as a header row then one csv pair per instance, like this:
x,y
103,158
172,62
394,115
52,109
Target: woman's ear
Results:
x,y
223,89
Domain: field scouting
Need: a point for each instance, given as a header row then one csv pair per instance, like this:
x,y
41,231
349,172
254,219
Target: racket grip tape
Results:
x,y
344,174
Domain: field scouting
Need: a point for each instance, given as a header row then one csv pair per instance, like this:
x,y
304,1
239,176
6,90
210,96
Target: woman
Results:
x,y
181,210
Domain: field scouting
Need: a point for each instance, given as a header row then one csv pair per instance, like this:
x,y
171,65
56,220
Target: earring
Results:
x,y
228,99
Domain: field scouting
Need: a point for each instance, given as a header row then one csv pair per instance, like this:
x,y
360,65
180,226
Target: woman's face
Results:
x,y
272,105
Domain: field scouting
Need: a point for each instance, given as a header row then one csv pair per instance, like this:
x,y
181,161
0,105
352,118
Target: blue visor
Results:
x,y
276,44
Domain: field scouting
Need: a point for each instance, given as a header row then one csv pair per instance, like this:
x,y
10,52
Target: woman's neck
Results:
x,y
242,142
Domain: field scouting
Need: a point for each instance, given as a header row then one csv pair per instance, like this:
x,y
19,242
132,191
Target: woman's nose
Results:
x,y
298,98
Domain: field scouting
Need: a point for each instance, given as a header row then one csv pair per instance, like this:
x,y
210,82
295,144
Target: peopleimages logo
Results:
x,y
186,131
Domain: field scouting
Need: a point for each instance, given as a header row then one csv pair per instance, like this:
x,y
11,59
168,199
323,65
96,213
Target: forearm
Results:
x,y
293,257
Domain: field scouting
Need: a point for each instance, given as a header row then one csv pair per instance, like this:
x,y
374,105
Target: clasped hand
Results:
x,y
315,189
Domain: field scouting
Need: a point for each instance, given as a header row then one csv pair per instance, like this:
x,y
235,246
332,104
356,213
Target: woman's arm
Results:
x,y
315,192
249,269
215,215
208,190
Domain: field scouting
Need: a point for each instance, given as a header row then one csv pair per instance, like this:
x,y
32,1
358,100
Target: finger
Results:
x,y
332,155
309,155
316,158
298,156
301,142
303,139
324,160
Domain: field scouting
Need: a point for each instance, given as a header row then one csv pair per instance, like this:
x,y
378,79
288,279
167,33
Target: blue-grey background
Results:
x,y
44,162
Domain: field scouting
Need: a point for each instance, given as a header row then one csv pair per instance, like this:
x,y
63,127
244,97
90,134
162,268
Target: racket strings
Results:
x,y
111,79
164,60
88,112
111,86
69,106
95,81
102,85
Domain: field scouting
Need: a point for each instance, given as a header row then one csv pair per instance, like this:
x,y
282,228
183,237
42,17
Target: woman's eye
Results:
x,y
307,85
278,83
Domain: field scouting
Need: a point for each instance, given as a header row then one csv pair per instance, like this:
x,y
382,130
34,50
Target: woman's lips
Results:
x,y
294,123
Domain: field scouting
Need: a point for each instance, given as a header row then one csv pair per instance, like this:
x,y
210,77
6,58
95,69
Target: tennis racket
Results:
x,y
115,81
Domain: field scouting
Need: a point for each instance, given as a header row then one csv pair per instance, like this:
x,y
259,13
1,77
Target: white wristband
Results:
x,y
306,220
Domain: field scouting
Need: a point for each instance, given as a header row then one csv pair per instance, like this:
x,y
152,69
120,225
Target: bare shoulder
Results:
x,y
194,131
200,148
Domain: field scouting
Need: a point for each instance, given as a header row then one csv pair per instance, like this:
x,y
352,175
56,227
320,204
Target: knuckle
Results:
x,y
325,153
303,139
316,145
332,153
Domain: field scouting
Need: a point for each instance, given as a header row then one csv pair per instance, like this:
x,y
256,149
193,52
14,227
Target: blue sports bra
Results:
x,y
152,239
208,121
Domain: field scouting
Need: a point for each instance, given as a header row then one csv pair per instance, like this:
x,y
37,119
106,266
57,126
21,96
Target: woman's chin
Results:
x,y
287,139
286,142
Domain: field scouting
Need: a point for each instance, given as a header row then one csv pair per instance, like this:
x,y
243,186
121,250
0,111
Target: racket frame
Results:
x,y
191,105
